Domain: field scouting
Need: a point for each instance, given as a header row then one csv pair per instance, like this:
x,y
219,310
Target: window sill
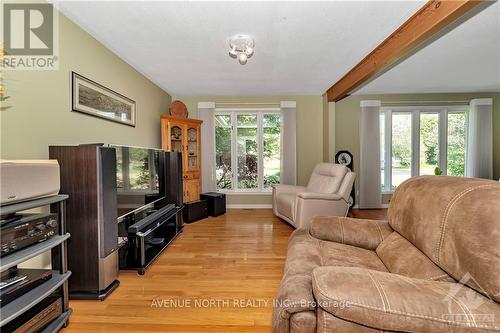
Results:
x,y
266,193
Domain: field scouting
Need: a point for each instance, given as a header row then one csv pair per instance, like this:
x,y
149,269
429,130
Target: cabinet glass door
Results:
x,y
193,151
176,138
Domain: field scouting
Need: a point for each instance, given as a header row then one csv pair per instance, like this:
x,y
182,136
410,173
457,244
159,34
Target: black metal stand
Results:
x,y
60,274
149,237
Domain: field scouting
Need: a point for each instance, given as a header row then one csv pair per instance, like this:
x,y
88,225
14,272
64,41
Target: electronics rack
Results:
x,y
59,280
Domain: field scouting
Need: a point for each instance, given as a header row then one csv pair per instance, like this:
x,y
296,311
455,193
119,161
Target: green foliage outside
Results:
x,y
223,155
429,144
247,156
456,143
247,151
272,152
429,138
401,140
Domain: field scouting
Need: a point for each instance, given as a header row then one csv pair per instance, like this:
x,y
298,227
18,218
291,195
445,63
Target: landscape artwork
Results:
x,y
94,99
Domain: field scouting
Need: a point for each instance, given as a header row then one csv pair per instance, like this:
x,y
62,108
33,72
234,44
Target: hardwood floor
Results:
x,y
236,258
234,261
374,214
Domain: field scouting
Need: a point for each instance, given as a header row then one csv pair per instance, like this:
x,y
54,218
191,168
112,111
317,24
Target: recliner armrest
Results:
x,y
367,234
392,302
282,188
319,196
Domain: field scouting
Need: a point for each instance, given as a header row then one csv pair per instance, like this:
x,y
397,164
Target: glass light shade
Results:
x,y
249,51
233,51
242,58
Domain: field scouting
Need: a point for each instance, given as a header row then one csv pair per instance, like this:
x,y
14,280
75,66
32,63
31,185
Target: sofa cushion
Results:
x,y
403,258
394,302
305,253
326,178
336,254
295,292
327,323
286,204
356,232
455,221
303,322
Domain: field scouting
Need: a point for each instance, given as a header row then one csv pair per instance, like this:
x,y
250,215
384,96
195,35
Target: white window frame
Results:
x,y
415,111
260,112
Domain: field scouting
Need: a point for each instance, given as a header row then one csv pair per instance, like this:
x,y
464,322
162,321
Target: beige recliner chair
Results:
x,y
327,193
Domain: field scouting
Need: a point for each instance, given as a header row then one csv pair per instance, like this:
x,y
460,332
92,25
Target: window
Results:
x,y
457,134
401,147
223,151
248,150
417,140
429,142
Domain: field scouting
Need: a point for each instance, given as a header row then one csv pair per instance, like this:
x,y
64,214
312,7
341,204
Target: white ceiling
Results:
x,y
466,59
302,48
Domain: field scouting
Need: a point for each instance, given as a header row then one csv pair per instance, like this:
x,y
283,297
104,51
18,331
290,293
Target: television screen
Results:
x,y
137,178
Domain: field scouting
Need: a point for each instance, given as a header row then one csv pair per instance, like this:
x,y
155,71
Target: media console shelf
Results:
x,y
147,238
60,277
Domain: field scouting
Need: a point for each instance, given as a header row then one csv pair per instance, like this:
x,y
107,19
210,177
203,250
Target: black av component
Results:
x,y
24,230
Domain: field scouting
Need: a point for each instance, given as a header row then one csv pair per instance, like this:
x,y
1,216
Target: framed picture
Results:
x,y
96,100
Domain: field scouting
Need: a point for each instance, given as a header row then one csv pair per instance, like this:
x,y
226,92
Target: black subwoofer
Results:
x,y
194,211
216,203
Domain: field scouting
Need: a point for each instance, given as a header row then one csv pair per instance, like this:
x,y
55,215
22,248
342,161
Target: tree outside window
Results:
x,y
256,143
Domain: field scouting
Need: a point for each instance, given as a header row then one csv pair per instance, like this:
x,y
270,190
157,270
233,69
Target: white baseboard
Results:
x,y
249,206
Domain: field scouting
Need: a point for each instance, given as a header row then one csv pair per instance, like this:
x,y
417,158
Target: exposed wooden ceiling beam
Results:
x,y
432,18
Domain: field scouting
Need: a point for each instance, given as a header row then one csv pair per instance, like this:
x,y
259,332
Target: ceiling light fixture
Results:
x,y
241,47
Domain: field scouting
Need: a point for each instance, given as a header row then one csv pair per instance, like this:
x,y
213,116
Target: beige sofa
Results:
x,y
433,267
327,193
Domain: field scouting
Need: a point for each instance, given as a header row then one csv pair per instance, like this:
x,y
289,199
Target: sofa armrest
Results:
x,y
319,196
391,302
367,234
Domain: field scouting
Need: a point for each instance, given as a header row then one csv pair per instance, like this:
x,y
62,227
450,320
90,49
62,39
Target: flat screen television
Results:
x,y
140,182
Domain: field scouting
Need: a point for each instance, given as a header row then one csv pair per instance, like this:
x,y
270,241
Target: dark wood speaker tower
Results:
x,y
88,175
173,178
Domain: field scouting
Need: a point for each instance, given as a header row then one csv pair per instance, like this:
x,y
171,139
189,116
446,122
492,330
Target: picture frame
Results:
x,y
92,98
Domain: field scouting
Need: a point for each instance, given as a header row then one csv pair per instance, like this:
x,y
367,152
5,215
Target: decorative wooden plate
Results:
x,y
178,109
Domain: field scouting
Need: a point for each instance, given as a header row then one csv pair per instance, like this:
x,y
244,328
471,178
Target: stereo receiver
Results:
x,y
26,229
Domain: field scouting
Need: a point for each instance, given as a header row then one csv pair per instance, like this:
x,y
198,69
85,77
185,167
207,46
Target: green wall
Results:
x,y
347,113
40,112
309,133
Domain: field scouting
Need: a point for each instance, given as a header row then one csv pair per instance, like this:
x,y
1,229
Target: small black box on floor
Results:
x,y
195,211
216,203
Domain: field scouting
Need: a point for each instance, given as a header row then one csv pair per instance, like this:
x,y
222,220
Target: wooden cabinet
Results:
x,y
183,135
192,188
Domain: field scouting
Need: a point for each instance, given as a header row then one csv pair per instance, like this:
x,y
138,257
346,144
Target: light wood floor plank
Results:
x,y
236,257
